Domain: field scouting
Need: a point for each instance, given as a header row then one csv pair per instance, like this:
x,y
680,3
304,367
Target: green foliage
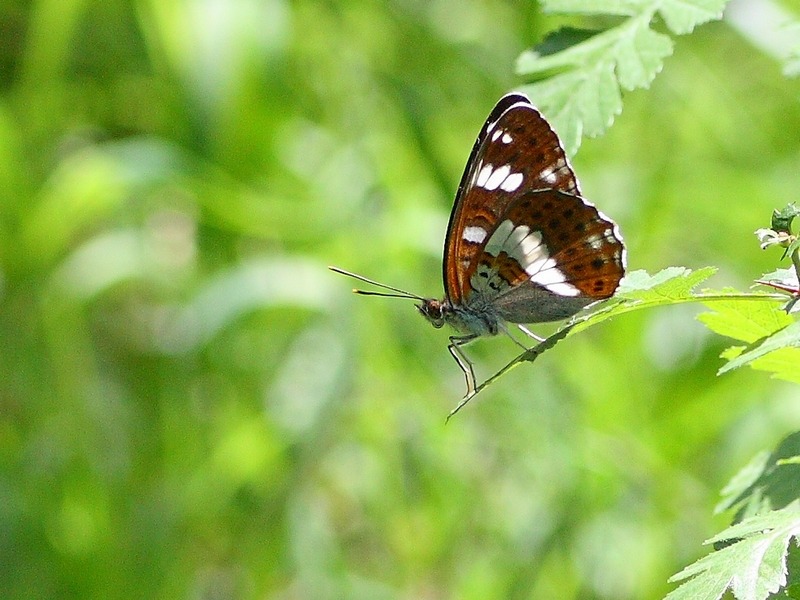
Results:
x,y
776,352
754,317
638,290
582,73
772,335
753,557
191,405
753,566
752,561
770,481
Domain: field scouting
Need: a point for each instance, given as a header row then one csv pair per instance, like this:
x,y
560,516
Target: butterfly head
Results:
x,y
435,311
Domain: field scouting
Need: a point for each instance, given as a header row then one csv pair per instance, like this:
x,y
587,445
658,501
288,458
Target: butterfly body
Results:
x,y
478,318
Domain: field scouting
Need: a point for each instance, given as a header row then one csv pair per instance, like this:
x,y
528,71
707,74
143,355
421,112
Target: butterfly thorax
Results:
x,y
479,318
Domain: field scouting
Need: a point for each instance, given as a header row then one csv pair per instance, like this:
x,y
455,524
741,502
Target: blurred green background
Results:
x,y
192,406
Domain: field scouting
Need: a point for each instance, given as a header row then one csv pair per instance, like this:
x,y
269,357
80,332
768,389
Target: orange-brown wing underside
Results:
x,y
516,152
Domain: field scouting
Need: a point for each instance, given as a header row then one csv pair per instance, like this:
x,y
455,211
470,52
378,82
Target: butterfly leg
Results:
x,y
455,349
505,330
529,333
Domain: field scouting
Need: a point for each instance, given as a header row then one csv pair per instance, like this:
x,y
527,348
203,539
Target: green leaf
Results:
x,y
744,321
751,555
582,73
583,96
752,567
682,16
578,7
742,484
784,344
639,290
640,56
770,481
772,336
672,283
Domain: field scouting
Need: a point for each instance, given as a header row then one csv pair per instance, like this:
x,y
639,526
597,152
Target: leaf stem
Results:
x,y
625,306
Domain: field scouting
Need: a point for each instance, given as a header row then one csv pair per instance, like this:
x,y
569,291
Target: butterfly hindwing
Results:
x,y
550,254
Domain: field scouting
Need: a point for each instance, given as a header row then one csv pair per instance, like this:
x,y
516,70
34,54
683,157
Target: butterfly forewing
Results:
x,y
516,152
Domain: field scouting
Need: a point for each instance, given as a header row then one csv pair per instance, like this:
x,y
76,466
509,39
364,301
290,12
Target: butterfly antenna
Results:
x,y
398,292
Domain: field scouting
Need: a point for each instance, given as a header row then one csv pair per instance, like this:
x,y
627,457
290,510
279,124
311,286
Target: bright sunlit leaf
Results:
x,y
752,567
771,336
579,75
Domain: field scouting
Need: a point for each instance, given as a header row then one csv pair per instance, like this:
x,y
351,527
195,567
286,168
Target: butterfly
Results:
x,y
522,245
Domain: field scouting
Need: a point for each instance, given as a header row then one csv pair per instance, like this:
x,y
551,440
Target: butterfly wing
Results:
x,y
516,152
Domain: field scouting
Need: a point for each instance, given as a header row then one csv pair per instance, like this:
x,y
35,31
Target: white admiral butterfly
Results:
x,y
522,245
